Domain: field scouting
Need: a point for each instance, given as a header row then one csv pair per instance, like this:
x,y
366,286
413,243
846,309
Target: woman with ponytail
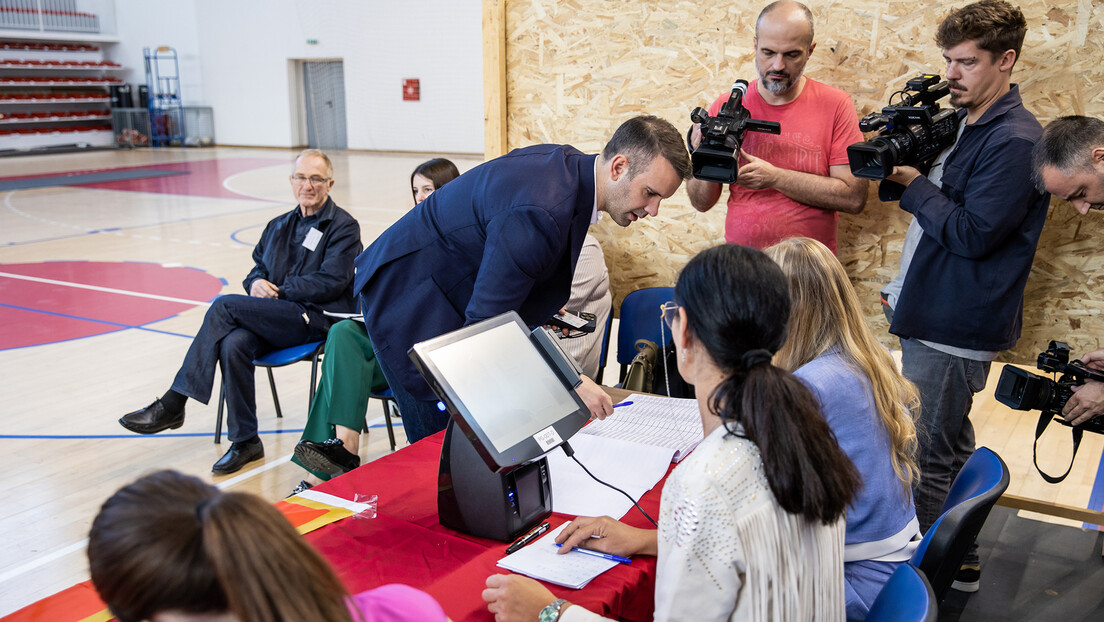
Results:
x,y
171,548
868,404
750,524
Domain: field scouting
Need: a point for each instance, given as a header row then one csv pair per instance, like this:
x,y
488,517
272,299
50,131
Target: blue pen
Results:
x,y
609,556
622,404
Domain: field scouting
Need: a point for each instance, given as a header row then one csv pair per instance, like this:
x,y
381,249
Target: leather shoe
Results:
x,y
152,419
329,456
238,456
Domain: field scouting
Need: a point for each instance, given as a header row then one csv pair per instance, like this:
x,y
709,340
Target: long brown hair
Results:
x,y
826,315
736,305
172,542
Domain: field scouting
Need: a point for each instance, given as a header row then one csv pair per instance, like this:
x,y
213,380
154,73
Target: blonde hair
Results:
x,y
826,315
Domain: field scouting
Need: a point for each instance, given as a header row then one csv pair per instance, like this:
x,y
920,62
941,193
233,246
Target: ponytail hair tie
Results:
x,y
201,509
751,358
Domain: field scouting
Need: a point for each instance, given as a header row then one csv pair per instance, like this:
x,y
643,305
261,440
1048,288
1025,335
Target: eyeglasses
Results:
x,y
669,311
314,180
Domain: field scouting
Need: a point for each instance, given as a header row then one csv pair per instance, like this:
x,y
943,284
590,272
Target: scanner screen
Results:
x,y
505,384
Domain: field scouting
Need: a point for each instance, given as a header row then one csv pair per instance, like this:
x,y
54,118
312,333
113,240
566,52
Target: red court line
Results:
x,y
94,305
20,328
204,179
145,278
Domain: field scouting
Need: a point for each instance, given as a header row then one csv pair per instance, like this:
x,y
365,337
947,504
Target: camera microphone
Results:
x,y
739,89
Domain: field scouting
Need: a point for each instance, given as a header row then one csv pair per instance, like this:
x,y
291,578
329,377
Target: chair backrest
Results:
x,y
906,597
982,480
639,319
604,356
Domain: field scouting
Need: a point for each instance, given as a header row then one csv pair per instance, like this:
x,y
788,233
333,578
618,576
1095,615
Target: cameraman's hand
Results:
x,y
904,175
1094,360
756,174
1086,403
695,136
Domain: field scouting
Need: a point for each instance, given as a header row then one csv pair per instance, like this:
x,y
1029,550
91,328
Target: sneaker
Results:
x,y
303,485
329,456
968,579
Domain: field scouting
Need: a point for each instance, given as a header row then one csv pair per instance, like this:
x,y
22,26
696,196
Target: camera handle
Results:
x,y
1044,420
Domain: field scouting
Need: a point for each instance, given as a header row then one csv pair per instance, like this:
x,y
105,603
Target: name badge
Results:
x,y
311,241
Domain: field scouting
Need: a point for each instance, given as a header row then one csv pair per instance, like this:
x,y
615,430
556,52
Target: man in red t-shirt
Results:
x,y
791,184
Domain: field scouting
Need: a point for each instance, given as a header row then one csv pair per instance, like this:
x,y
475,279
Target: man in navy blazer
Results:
x,y
504,236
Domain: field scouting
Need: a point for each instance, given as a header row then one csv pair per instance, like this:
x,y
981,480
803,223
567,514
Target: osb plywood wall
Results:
x,y
575,70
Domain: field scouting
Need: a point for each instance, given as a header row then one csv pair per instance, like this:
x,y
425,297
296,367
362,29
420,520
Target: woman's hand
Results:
x,y
607,535
513,597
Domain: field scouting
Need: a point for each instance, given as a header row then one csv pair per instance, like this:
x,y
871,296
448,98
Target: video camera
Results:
x,y
1023,390
913,132
715,159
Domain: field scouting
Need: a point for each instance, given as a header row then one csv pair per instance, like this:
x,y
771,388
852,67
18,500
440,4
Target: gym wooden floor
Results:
x,y
61,450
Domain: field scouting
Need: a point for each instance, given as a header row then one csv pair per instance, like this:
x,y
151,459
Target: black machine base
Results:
x,y
475,500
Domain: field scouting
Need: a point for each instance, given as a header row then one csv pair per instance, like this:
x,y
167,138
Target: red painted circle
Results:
x,y
56,301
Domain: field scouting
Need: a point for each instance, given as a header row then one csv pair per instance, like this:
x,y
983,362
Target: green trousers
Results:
x,y
349,373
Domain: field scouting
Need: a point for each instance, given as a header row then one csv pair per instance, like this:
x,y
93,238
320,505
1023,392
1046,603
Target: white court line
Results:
x,y
97,288
79,546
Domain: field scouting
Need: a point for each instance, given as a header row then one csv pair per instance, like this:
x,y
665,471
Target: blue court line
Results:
x,y
95,321
150,224
1096,497
52,437
234,235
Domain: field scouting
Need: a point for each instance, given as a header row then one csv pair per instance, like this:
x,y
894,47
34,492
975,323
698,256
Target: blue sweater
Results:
x,y
880,509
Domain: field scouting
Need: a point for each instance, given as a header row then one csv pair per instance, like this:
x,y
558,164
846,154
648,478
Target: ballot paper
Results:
x,y
541,560
632,467
653,420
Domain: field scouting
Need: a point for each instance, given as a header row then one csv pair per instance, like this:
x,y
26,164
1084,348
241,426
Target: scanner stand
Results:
x,y
475,500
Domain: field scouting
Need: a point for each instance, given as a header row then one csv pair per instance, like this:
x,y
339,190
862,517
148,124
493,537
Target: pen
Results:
x,y
609,556
527,538
623,404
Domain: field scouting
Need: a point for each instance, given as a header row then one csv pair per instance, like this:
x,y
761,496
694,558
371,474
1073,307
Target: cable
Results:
x,y
571,454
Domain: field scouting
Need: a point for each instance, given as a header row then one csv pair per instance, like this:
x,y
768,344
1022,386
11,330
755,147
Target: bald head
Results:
x,y
794,17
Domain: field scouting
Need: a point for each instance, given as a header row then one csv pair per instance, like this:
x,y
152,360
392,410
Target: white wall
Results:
x,y
245,47
152,23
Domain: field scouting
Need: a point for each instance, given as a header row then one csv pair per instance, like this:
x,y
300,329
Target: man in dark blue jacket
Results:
x,y
504,236
958,299
303,267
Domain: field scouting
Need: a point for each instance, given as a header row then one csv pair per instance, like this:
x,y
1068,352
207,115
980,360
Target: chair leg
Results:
x,y
218,420
387,420
314,382
275,398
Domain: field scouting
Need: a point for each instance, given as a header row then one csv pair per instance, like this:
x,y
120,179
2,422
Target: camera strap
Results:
x,y
1044,421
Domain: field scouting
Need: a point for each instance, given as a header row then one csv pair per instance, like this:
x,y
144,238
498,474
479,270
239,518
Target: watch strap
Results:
x,y
551,612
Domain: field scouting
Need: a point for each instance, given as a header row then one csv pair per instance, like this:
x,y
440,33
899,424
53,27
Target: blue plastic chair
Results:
x,y
982,480
906,597
279,358
640,319
387,396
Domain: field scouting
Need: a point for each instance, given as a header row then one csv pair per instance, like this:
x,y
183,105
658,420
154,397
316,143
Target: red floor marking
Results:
x,y
49,313
205,178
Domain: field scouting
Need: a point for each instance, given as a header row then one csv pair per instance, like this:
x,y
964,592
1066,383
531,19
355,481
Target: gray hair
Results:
x,y
317,153
1066,144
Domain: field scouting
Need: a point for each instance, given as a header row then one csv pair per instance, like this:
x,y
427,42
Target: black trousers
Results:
x,y
236,330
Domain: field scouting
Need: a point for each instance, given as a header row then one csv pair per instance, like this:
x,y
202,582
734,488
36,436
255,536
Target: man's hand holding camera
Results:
x,y
1087,401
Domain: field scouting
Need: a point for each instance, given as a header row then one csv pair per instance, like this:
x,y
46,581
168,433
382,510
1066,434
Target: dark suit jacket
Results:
x,y
504,236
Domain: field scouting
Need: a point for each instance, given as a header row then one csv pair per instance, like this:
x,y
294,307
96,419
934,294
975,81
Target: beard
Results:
x,y
776,87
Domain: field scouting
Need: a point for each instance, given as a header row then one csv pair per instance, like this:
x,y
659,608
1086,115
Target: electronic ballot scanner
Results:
x,y
509,394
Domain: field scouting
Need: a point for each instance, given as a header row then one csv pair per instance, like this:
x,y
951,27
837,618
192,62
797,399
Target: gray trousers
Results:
x,y
947,385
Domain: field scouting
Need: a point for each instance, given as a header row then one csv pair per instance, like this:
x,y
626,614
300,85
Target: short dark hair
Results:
x,y
438,170
643,138
737,304
994,25
1066,144
779,4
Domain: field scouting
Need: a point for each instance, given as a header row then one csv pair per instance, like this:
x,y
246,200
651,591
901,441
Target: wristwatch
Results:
x,y
551,613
